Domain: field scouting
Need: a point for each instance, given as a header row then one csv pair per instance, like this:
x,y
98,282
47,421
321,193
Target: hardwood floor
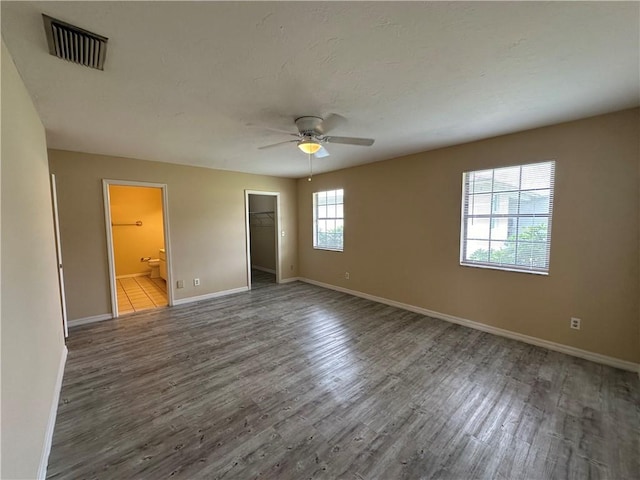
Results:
x,y
261,279
295,381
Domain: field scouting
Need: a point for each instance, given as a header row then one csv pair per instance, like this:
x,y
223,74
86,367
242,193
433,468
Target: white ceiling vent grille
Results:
x,y
75,44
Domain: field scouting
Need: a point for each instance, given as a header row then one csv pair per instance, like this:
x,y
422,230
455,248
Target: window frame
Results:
x,y
491,216
316,245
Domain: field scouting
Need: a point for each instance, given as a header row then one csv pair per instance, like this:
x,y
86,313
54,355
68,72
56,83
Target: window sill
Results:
x,y
504,269
329,249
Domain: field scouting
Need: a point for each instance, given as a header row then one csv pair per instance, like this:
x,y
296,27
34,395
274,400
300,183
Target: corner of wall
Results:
x,y
33,349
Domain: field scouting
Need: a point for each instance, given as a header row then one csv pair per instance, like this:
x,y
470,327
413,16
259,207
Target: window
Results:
x,y
506,217
328,220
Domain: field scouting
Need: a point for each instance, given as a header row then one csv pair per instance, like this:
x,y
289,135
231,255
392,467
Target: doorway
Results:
x,y
263,238
138,246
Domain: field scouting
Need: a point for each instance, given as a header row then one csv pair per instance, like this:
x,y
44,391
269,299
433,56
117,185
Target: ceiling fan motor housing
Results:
x,y
309,126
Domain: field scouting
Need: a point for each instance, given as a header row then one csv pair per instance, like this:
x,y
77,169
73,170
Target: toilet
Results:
x,y
154,264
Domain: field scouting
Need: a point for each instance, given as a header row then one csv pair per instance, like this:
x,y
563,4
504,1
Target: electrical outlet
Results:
x,y
346,275
575,323
196,282
180,283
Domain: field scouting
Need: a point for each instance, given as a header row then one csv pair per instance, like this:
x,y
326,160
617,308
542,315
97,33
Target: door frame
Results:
x,y
56,226
167,239
277,233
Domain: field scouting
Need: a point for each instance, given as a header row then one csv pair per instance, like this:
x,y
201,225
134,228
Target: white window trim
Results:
x,y
498,266
315,221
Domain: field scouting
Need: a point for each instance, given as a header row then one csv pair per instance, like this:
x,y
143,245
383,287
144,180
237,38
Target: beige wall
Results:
x,y
131,243
206,220
263,232
32,338
402,235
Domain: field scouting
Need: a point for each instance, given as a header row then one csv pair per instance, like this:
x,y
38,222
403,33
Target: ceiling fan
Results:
x,y
312,134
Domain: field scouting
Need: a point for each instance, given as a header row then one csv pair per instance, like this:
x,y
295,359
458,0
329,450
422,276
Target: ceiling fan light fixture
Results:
x,y
309,146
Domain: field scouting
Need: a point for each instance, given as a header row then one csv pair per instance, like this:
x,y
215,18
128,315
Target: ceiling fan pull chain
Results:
x,y
310,169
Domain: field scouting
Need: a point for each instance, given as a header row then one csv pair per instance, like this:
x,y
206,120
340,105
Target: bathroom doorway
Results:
x,y
263,238
138,247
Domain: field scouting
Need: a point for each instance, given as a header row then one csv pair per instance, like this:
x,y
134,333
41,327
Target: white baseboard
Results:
x,y
53,412
263,269
199,298
86,320
129,275
289,280
558,347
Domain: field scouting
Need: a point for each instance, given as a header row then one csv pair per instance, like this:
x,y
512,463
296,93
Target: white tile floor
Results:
x,y
140,293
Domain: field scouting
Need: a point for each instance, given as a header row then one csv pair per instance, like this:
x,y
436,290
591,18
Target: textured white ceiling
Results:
x,y
183,79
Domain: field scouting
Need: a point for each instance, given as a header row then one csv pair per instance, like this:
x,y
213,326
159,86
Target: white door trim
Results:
x,y
56,225
248,232
167,239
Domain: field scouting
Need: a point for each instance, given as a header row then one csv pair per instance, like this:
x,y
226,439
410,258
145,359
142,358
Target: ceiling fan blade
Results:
x,y
322,153
364,142
262,127
331,122
276,144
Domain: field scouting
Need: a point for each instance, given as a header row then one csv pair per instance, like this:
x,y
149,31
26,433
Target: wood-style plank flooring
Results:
x,y
295,381
261,279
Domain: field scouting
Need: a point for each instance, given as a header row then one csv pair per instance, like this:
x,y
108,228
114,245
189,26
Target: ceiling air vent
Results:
x,y
75,44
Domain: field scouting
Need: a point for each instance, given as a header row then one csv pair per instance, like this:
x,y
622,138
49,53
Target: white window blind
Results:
x,y
328,220
506,217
